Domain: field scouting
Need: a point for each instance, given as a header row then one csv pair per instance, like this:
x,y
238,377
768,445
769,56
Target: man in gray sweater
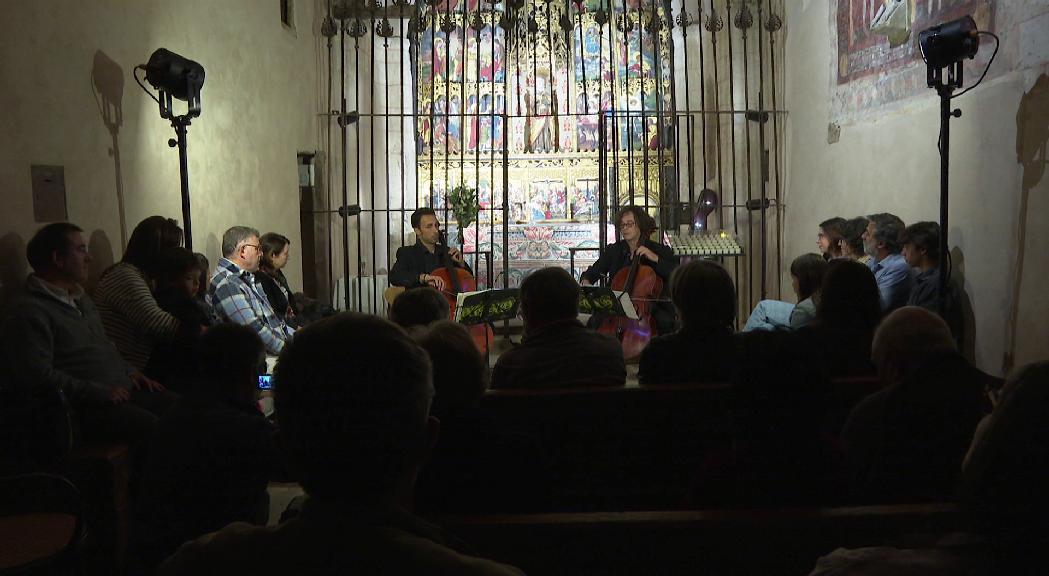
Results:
x,y
53,338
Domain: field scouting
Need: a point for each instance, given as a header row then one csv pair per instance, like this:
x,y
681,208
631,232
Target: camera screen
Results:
x,y
264,382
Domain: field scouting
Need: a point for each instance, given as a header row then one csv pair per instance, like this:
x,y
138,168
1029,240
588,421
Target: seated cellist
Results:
x,y
635,226
415,263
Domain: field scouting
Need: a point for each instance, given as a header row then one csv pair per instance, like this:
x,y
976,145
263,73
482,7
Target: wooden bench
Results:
x,y
765,542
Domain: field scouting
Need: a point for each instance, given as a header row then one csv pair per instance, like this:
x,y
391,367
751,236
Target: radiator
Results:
x,y
364,287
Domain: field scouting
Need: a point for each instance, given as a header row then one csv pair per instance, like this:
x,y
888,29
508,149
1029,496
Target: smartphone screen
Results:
x,y
265,382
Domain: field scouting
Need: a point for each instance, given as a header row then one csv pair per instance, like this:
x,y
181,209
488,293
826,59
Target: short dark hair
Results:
x,y
645,223
852,233
849,300
549,294
48,240
271,244
809,270
230,356
924,235
147,240
887,228
460,373
352,393
171,265
703,293
419,307
417,216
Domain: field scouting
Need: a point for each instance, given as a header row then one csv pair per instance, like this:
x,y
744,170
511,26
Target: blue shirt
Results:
x,y
236,298
894,281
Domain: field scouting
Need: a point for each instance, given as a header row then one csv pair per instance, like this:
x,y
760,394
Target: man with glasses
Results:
x,y
236,297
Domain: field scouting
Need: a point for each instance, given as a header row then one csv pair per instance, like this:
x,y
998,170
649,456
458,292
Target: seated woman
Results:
x,y
848,312
806,273
828,240
130,314
851,241
274,250
703,349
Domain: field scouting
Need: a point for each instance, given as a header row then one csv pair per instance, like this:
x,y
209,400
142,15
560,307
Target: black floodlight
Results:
x,y
175,76
950,42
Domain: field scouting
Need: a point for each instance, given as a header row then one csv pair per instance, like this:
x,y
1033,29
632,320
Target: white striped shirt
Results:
x,y
130,314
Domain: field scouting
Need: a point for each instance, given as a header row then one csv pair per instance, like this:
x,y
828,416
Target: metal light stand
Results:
x,y
180,123
945,90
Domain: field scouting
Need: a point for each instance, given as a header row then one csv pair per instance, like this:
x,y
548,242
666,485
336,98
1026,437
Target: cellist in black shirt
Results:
x,y
635,226
414,263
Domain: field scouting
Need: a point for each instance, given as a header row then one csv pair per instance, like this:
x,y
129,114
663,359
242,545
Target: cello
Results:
x,y
644,286
458,280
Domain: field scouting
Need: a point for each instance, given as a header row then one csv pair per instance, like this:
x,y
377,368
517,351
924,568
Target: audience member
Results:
x,y
828,239
907,441
474,448
1003,481
275,249
178,279
806,274
132,318
201,297
847,313
235,294
353,395
557,350
54,339
419,307
780,453
920,244
1002,489
702,350
881,242
212,455
851,243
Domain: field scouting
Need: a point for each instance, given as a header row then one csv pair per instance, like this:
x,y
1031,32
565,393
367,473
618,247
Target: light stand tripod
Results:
x,y
180,124
946,91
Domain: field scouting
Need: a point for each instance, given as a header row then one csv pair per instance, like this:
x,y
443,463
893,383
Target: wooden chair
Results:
x,y
42,528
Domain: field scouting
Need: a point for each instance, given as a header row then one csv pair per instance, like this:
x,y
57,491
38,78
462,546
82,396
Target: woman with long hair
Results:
x,y
133,320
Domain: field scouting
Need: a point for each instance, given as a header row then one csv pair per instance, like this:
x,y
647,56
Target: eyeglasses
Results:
x,y
626,224
257,247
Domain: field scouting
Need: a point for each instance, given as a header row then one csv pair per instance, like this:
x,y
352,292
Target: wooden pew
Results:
x,y
616,448
764,542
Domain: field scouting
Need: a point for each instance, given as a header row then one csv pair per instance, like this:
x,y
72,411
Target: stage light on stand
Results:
x,y
174,76
948,45
945,44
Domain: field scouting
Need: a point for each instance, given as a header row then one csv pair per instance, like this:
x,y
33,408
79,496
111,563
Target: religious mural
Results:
x,y
530,87
878,58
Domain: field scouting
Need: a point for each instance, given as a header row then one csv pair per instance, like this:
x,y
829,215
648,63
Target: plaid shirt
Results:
x,y
236,298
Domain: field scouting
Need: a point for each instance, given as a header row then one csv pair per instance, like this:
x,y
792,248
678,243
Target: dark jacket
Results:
x,y
561,355
52,344
278,292
907,441
208,465
415,260
695,356
174,363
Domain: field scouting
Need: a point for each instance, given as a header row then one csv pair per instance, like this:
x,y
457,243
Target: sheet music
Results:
x,y
628,305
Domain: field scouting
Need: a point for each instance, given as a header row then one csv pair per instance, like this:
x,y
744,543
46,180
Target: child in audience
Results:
x,y
178,280
806,273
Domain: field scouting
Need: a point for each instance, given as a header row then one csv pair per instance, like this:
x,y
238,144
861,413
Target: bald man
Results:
x,y
907,441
